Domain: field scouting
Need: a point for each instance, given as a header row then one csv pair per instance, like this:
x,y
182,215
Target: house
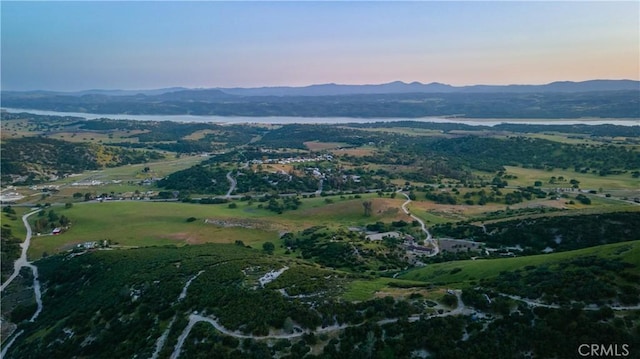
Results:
x,y
416,248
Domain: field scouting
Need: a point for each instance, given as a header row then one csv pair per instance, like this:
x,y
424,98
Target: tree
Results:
x,y
68,205
367,208
64,221
53,216
268,247
450,300
287,326
575,183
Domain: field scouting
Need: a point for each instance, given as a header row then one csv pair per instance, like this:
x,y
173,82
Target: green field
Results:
x,y
459,274
361,290
140,223
364,289
590,181
130,172
146,223
15,222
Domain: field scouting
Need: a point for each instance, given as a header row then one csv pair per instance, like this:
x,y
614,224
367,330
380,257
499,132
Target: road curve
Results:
x,y
430,239
194,318
232,184
535,303
23,262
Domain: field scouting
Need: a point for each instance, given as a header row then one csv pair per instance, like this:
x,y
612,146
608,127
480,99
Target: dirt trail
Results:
x,y
19,263
430,239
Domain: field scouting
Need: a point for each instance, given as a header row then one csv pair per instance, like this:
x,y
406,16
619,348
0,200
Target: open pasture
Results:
x,y
130,223
156,169
348,212
589,181
410,131
96,136
200,134
322,146
141,223
355,152
361,290
460,274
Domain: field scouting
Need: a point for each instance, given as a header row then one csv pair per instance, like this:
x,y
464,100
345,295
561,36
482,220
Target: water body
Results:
x,y
329,120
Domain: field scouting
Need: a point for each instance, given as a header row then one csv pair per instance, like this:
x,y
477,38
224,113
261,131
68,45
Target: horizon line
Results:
x,y
317,84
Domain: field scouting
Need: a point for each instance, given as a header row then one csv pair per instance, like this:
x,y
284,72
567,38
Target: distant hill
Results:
x,y
399,87
28,160
595,98
151,92
332,89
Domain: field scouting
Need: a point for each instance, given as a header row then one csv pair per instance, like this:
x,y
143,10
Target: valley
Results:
x,y
379,239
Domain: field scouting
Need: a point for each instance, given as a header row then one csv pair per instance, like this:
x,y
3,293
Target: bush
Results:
x,y
268,247
23,312
191,219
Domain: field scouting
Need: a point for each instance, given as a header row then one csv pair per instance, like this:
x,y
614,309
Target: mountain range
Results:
x,y
596,99
332,89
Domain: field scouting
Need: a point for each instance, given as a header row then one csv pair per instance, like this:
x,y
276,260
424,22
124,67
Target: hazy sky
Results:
x,y
141,45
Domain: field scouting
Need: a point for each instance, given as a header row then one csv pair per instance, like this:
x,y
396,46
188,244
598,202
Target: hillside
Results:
x,y
131,299
33,161
597,98
395,239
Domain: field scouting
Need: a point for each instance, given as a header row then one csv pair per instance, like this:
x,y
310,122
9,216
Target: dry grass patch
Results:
x,y
198,135
320,146
91,136
276,167
356,152
351,212
404,293
224,235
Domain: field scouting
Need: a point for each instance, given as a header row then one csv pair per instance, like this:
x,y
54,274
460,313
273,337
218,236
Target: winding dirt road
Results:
x,y
430,239
232,184
19,263
535,303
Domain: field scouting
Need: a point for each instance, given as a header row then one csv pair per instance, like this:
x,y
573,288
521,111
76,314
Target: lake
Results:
x,y
331,120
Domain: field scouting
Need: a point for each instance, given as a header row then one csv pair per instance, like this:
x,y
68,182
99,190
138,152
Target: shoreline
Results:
x,y
490,122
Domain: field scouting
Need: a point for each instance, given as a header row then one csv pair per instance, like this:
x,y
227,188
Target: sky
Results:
x,y
71,46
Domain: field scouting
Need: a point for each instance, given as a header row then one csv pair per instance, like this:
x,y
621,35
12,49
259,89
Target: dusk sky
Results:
x,y
68,46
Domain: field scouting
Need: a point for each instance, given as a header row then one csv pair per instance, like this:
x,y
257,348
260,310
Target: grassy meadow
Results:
x,y
141,223
590,181
461,274
14,222
361,290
